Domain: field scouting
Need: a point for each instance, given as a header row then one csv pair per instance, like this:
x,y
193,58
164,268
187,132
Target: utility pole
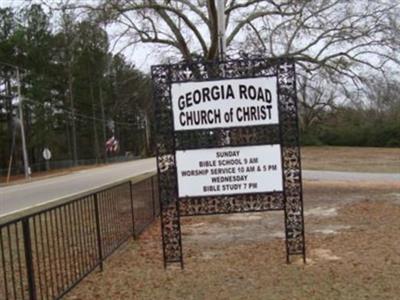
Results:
x,y
221,29
11,154
21,119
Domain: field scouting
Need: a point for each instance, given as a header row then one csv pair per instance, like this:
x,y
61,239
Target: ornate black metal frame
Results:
x,y
285,134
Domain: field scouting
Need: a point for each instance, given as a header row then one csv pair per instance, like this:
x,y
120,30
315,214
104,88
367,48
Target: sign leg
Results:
x,y
294,218
171,234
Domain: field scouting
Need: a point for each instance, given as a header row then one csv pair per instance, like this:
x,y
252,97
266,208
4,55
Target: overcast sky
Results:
x,y
143,56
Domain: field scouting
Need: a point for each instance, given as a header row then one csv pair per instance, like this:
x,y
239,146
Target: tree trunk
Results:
x,y
103,117
72,108
96,139
9,112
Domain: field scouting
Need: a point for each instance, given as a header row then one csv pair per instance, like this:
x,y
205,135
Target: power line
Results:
x,y
82,115
139,83
64,109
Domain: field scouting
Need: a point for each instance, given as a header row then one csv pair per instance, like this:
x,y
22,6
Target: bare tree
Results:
x,y
381,95
342,37
316,96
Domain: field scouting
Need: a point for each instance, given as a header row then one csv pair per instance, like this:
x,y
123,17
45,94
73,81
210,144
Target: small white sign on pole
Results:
x,y
229,170
225,103
46,154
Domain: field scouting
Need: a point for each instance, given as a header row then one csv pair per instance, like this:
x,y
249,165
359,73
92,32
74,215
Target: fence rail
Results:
x,y
45,253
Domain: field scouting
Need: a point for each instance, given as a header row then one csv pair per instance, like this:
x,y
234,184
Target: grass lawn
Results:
x,y
353,252
357,159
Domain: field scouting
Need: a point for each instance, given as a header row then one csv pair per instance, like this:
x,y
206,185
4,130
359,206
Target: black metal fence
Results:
x,y
43,255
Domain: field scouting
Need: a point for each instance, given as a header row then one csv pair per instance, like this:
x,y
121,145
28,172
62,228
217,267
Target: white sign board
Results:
x,y
229,170
46,154
225,103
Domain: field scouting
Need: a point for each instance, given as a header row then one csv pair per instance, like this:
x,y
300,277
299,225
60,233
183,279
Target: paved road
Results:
x,y
18,197
350,176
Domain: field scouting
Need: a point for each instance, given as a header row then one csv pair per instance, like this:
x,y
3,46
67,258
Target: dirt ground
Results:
x,y
356,159
353,252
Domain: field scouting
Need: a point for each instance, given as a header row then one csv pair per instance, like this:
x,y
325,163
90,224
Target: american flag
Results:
x,y
112,145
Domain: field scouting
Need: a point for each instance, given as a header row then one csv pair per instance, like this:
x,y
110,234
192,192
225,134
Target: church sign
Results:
x,y
229,170
227,142
224,103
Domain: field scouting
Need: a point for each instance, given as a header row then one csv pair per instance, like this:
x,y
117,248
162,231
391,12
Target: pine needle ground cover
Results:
x,y
353,252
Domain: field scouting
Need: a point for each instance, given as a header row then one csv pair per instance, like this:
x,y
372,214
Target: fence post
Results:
x,y
132,210
99,243
28,258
